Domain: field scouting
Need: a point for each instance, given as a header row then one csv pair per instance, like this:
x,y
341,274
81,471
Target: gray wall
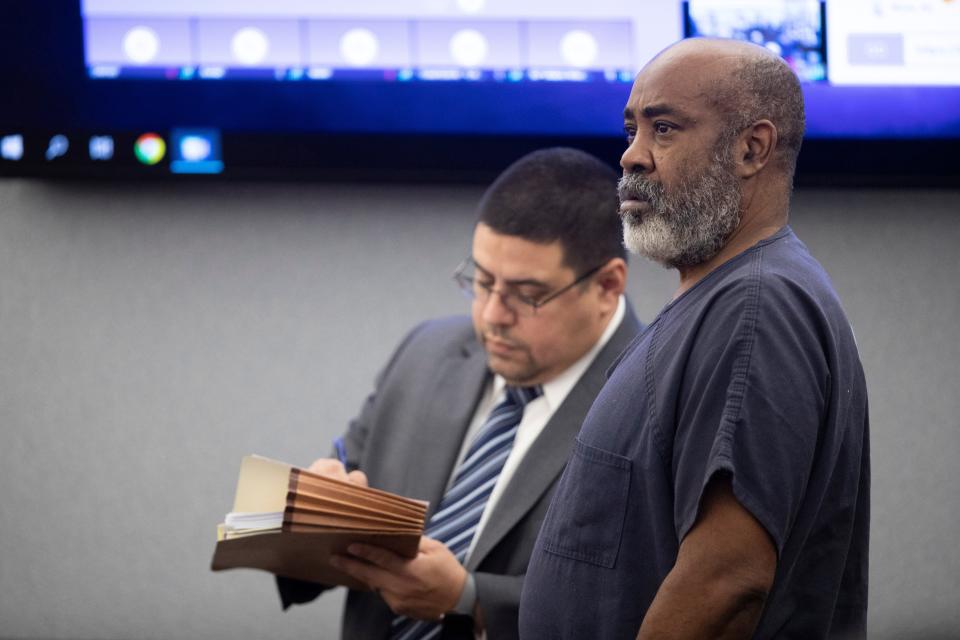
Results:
x,y
151,336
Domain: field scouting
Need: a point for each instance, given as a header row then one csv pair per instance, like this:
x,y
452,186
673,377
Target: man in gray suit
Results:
x,y
478,415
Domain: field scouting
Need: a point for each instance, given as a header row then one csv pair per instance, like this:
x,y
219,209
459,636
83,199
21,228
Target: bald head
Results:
x,y
713,129
744,83
712,49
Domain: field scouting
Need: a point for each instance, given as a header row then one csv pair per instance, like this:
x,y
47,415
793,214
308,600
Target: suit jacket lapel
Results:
x,y
548,454
459,383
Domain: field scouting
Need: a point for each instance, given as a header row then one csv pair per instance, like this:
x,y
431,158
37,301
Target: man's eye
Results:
x,y
662,128
630,135
486,285
528,297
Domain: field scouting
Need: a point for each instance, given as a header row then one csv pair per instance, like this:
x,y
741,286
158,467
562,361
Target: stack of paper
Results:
x,y
289,521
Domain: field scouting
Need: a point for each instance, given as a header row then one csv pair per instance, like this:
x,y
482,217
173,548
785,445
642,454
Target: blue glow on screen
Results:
x,y
871,68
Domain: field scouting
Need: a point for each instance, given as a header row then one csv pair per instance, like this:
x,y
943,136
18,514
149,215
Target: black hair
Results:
x,y
559,194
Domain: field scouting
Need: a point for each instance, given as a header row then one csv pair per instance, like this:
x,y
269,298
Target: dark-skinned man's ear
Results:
x,y
761,141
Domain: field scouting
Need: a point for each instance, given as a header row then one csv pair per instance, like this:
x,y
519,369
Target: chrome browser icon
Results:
x,y
150,148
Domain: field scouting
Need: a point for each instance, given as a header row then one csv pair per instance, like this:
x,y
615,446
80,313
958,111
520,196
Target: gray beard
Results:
x,y
688,225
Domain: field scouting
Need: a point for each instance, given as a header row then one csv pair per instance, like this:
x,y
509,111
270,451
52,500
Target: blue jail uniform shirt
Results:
x,y
752,373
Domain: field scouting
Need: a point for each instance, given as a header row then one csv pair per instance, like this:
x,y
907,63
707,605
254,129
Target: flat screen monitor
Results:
x,y
444,89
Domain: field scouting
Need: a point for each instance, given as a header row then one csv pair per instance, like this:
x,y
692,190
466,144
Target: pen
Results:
x,y
341,450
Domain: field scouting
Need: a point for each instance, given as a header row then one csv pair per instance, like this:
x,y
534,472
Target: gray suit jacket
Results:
x,y
407,439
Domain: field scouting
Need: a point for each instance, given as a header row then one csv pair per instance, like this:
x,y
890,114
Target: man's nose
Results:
x,y
497,311
636,158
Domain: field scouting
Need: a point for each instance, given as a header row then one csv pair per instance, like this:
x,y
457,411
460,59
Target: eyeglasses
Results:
x,y
522,305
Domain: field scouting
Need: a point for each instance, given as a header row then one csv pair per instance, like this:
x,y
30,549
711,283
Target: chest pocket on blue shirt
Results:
x,y
585,519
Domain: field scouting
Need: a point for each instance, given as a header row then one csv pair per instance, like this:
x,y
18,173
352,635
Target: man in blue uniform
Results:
x,y
719,486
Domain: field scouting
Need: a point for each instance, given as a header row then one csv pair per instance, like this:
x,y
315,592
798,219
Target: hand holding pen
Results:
x,y
337,467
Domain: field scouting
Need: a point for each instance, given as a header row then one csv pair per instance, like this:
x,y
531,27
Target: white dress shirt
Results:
x,y
535,415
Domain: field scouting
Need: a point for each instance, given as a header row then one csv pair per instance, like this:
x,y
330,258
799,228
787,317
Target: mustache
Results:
x,y
634,186
500,336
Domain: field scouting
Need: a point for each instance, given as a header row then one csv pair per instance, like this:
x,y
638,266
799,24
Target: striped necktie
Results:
x,y
459,512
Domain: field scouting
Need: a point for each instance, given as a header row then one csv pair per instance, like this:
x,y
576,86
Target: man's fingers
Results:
x,y
358,477
383,558
328,467
378,568
371,575
429,545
